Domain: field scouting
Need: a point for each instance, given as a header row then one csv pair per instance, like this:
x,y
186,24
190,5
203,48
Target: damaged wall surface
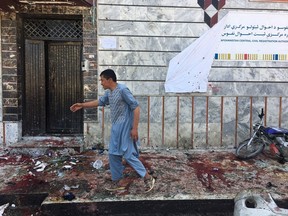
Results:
x,y
141,46
137,40
13,72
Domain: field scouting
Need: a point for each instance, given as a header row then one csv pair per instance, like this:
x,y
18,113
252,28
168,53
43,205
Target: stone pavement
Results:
x,y
180,175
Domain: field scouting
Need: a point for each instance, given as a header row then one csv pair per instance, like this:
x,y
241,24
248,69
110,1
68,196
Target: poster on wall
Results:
x,y
239,36
254,37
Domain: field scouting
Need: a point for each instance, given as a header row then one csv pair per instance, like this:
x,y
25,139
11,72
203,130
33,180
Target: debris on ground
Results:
x,y
2,208
179,175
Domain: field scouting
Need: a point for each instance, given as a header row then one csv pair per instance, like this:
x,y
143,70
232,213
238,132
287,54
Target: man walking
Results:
x,y
125,114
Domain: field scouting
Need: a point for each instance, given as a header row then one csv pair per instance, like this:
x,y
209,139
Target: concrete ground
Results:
x,y
54,176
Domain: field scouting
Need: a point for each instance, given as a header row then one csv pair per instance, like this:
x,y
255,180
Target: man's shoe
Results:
x,y
149,184
115,186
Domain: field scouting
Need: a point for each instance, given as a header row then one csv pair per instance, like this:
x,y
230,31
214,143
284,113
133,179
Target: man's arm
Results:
x,y
77,106
134,131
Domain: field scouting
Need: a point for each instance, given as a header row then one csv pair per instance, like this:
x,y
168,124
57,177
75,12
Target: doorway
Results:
x,y
52,77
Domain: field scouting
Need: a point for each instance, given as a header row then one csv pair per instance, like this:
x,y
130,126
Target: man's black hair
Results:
x,y
109,73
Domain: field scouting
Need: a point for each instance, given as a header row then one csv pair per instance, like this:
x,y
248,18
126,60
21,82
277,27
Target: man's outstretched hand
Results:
x,y
75,107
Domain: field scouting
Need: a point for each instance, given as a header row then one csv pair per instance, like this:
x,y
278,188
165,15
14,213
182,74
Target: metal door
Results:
x,y
34,110
64,84
53,82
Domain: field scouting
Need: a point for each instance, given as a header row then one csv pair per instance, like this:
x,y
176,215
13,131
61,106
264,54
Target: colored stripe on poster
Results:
x,y
247,57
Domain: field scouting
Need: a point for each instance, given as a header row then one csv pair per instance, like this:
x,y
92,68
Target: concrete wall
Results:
x,y
145,35
150,33
10,123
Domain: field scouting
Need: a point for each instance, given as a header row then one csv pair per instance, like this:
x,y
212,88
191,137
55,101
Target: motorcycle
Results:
x,y
275,138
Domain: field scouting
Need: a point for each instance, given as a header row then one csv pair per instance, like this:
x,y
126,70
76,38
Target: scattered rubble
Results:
x,y
40,166
180,175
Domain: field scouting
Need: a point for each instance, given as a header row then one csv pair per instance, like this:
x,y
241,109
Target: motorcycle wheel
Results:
x,y
244,151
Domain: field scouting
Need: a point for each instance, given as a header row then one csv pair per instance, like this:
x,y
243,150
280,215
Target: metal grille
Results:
x,y
52,29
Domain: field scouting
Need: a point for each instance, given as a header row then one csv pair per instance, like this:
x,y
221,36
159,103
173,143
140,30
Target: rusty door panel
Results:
x,y
34,106
64,87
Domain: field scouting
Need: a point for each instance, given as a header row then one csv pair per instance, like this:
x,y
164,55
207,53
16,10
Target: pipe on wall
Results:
x,y
1,103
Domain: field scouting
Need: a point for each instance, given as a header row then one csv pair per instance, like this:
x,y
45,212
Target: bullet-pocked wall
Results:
x,y
138,38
